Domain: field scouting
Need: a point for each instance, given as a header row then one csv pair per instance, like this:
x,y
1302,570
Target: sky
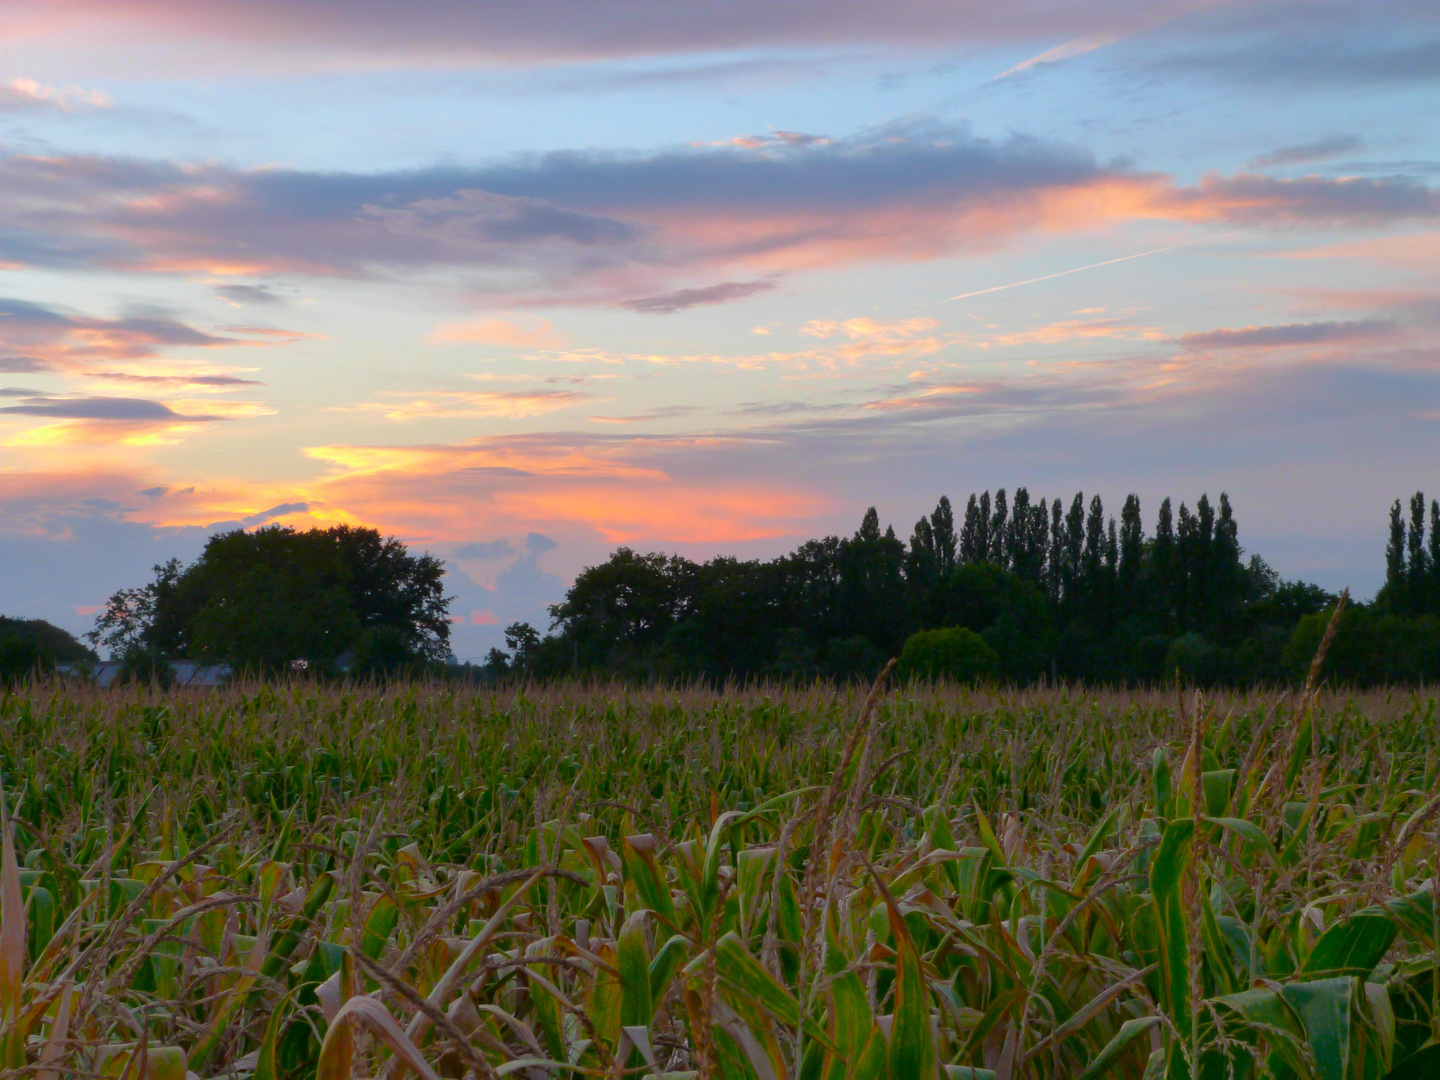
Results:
x,y
523,282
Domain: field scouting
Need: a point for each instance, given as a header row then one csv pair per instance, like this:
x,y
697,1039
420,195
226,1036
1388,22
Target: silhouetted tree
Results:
x,y
266,598
1395,558
942,531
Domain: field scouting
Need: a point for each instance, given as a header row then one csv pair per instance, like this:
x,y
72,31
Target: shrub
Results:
x,y
957,654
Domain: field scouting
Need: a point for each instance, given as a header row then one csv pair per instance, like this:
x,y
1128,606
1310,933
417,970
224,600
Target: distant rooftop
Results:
x,y
184,672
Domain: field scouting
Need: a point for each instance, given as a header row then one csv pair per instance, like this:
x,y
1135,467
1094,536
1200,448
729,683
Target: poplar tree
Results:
x,y
982,529
1226,574
1202,565
1038,540
942,532
1162,560
1187,535
1132,549
1433,601
922,567
971,549
1055,564
1094,541
1418,574
1395,559
1074,548
998,528
1017,536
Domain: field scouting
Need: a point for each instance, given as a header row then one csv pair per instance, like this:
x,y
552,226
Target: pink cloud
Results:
x,y
523,332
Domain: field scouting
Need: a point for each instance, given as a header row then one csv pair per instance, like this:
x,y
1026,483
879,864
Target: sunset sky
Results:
x,y
520,282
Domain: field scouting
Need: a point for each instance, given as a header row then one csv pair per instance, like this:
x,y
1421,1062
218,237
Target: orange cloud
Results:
x,y
1058,333
453,404
617,489
1415,251
22,91
523,332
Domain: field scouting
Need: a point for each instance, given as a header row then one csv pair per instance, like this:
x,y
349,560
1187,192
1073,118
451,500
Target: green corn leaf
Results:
x,y
1161,782
1128,1033
1250,833
1097,839
666,962
265,1058
750,866
637,853
545,1005
1324,1009
1222,965
872,1063
850,1018
912,1050
747,976
937,827
286,941
604,1001
1167,873
1218,787
1003,1003
1416,913
1352,947
636,1006
988,838
379,924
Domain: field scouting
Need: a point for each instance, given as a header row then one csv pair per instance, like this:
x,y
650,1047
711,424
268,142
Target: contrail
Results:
x,y
1063,273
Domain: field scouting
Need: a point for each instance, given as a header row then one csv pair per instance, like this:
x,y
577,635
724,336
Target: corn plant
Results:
x,y
300,881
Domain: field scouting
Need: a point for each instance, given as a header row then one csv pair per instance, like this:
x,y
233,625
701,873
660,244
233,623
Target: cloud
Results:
x,y
1068,330
1348,55
1068,51
511,31
40,338
868,337
101,408
526,332
27,365
484,549
242,295
197,381
1412,251
681,299
1317,150
604,228
614,488
662,412
450,404
283,510
1256,199
1315,333
21,93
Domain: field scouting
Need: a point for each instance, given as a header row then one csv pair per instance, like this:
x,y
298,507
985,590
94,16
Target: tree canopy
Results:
x,y
28,646
1055,590
267,599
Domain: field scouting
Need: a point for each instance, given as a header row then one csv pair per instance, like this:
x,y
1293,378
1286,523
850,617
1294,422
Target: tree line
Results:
x,y
1022,589
1054,592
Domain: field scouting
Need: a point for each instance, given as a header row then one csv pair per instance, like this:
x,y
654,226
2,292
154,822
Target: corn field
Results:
x,y
297,881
